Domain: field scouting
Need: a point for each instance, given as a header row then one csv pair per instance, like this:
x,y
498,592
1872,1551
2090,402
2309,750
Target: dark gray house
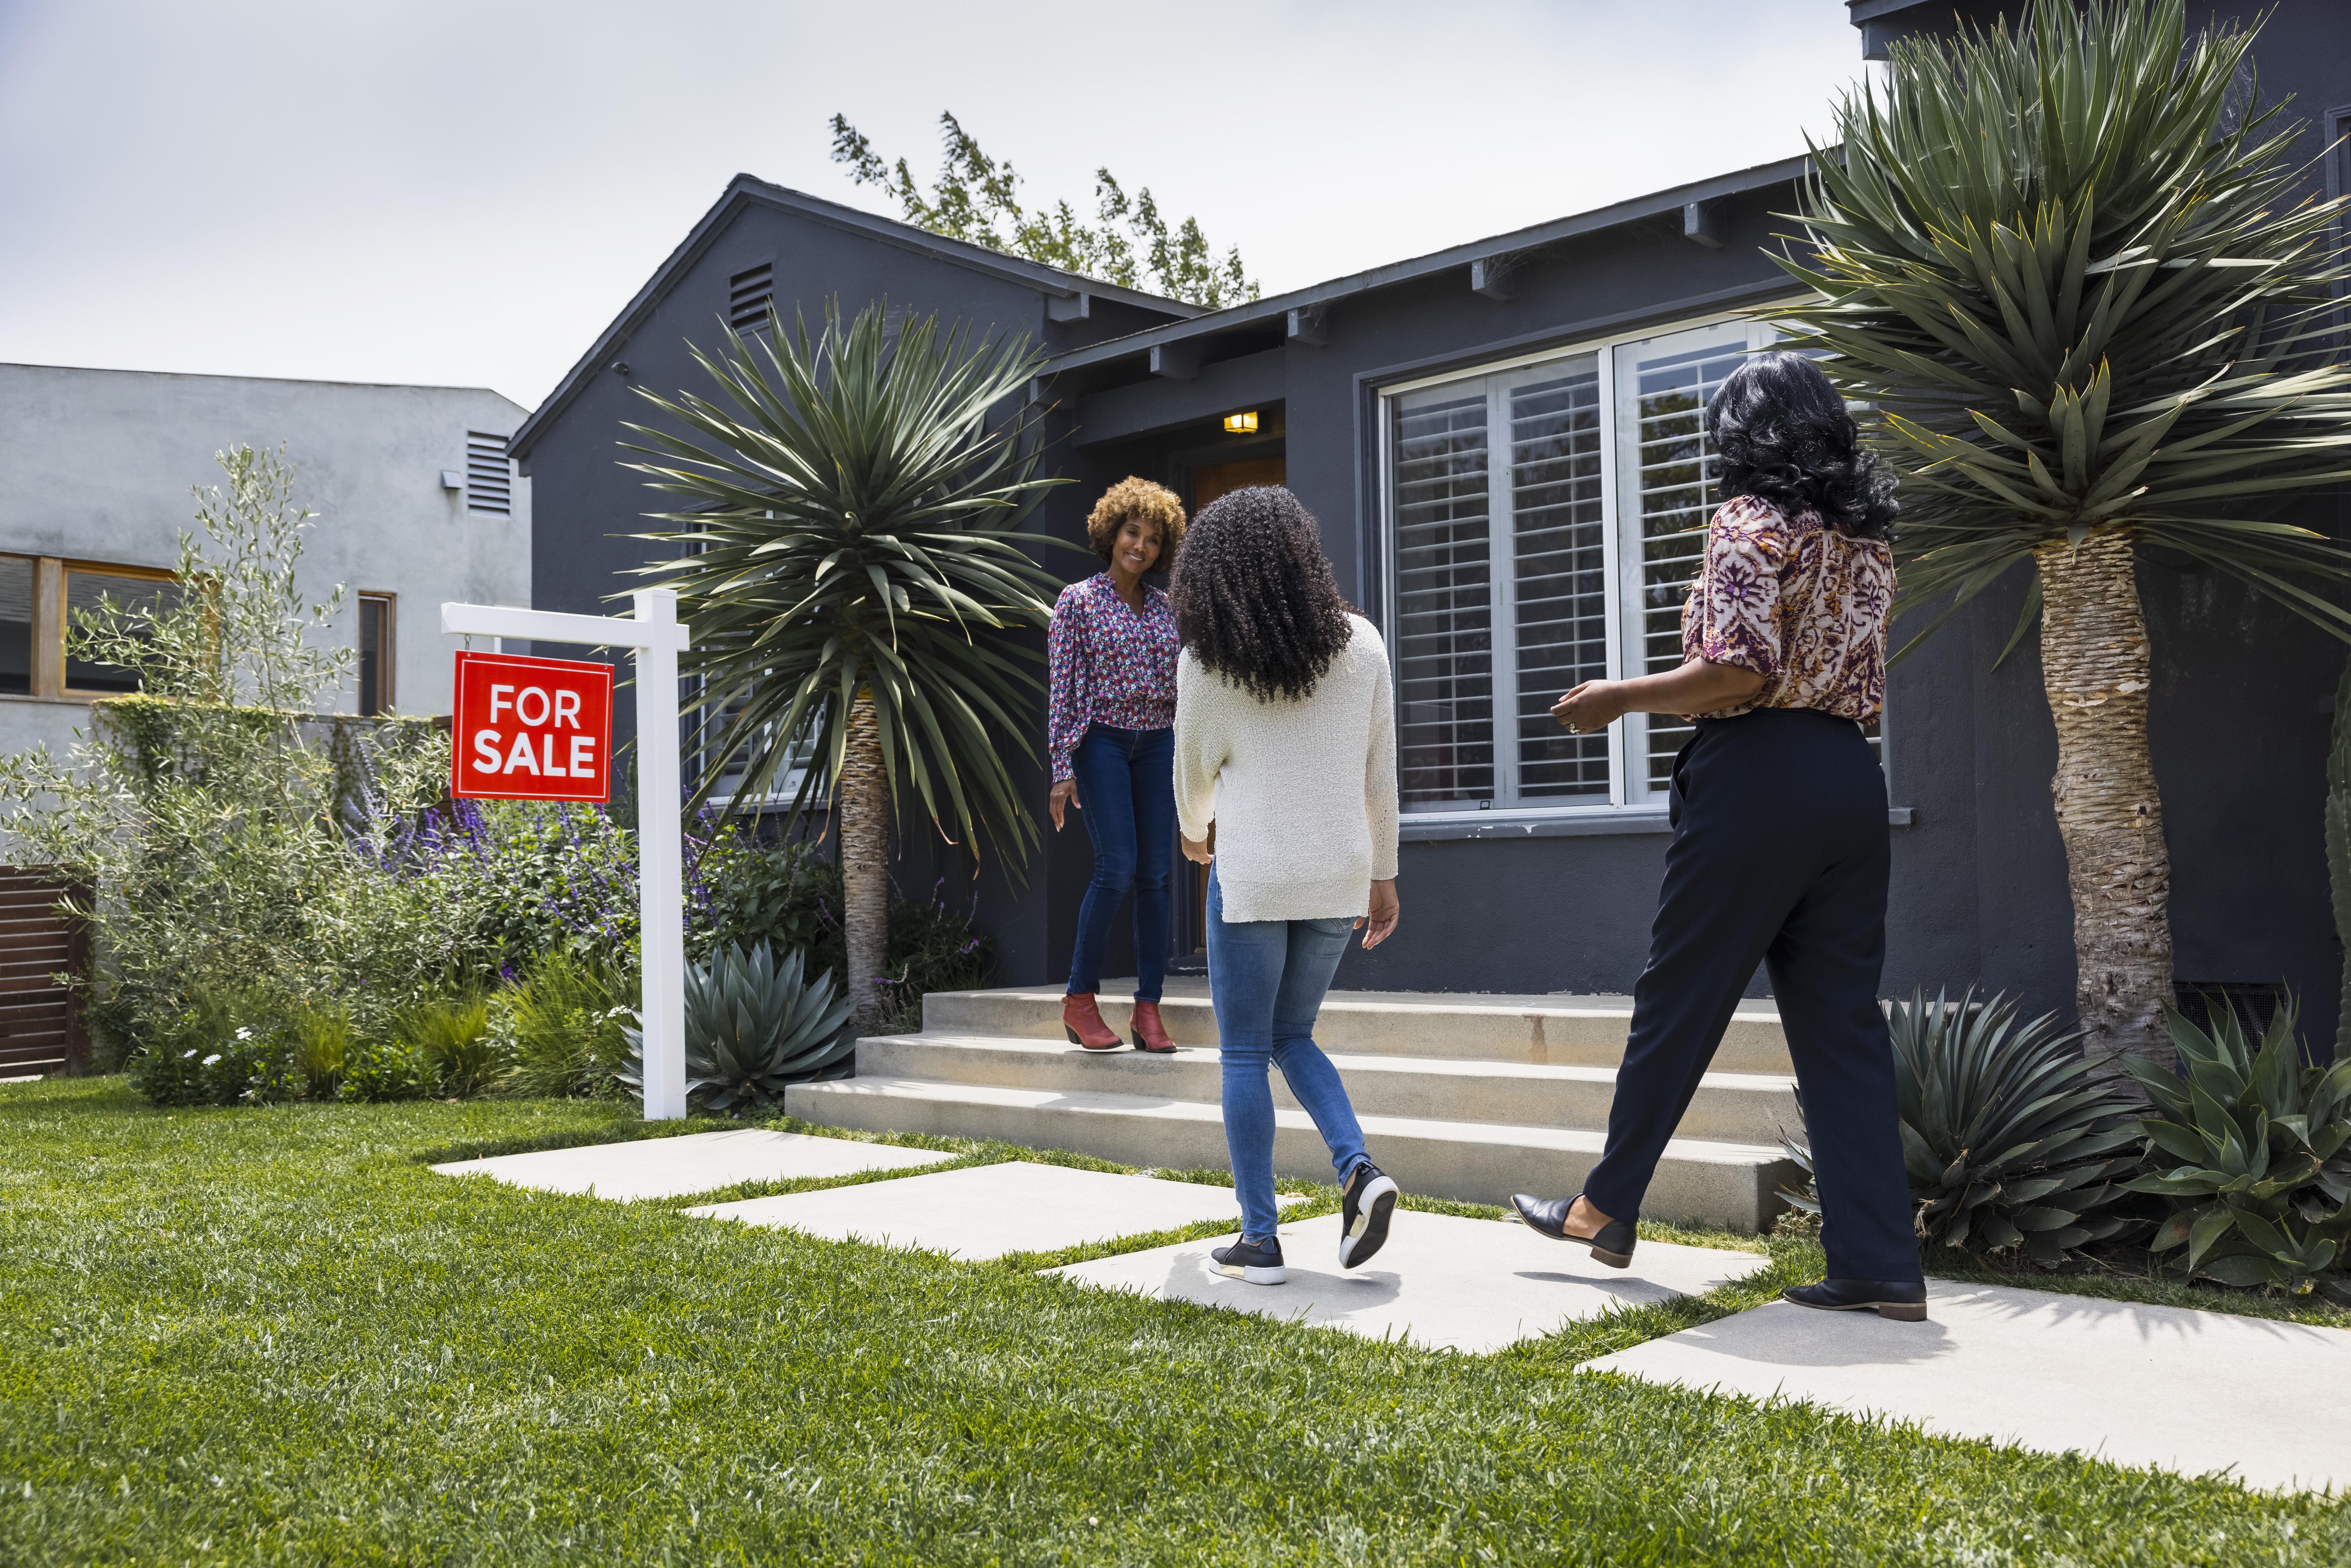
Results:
x,y
1496,437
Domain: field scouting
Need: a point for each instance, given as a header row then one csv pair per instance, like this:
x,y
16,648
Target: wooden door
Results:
x,y
41,1027
1216,479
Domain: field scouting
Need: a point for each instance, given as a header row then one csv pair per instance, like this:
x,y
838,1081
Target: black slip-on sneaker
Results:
x,y
1369,1199
1259,1262
1612,1245
1904,1301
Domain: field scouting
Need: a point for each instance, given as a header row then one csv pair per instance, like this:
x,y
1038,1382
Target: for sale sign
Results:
x,y
531,729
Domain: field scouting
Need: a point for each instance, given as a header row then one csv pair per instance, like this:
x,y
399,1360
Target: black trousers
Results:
x,y
1779,857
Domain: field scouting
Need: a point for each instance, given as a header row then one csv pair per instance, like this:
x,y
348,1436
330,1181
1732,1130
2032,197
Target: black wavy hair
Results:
x,y
1254,597
1782,433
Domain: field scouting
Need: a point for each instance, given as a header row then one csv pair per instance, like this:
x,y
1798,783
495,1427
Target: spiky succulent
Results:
x,y
754,1026
2251,1149
2009,1132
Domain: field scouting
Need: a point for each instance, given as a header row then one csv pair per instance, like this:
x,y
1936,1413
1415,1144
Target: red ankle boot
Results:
x,y
1150,1034
1082,1020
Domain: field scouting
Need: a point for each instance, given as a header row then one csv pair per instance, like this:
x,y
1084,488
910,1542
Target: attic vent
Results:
x,y
749,295
489,481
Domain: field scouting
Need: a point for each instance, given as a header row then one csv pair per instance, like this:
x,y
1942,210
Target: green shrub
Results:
x,y
786,895
559,1027
322,1038
2009,1132
452,1041
382,1066
753,1027
932,949
2250,1150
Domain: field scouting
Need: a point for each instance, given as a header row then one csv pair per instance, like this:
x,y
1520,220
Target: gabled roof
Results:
x,y
1257,313
745,190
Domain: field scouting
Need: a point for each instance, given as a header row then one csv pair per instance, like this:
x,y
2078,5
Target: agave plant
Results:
x,y
2008,1130
860,594
754,1025
2259,1195
2087,289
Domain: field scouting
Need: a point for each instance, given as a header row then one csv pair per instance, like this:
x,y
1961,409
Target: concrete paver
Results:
x,y
2189,1391
1442,1282
698,1162
986,1211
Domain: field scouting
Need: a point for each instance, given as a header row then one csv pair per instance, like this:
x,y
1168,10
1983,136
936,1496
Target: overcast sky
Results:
x,y
466,192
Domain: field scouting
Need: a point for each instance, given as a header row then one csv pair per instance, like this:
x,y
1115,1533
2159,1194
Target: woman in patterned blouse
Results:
x,y
1111,736
1779,852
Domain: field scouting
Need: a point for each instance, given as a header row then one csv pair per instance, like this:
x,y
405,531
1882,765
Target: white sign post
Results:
x,y
657,638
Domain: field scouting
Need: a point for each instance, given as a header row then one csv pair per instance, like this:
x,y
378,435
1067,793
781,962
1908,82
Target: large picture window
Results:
x,y
1545,518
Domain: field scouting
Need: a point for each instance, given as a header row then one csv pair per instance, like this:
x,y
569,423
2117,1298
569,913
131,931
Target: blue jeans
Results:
x,y
1126,798
1266,978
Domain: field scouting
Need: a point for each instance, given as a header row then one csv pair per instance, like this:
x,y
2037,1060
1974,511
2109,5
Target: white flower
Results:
x,y
186,1054
209,1059
245,1034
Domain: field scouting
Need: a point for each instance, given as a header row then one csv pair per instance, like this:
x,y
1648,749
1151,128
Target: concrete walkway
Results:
x,y
987,1212
698,1162
1473,1285
2192,1392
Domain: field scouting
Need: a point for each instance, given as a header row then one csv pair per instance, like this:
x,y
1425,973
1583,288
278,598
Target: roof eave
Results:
x,y
1654,204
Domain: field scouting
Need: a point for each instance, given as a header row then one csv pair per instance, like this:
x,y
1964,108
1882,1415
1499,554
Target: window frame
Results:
x,y
1626,741
67,566
387,661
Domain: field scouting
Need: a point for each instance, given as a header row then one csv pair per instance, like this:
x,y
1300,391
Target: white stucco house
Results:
x,y
416,503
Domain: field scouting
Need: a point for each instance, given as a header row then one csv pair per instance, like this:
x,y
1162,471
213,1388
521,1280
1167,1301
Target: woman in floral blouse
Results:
x,y
1780,851
1111,738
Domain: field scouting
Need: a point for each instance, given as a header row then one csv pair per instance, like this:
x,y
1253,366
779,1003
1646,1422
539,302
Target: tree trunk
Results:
x,y
2093,665
864,798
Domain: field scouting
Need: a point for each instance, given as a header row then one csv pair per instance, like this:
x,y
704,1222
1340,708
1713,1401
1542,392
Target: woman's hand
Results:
x,y
1065,793
1590,707
1202,851
1386,911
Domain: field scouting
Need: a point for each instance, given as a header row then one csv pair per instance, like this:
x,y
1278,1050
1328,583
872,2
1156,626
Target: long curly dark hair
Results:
x,y
1782,433
1254,597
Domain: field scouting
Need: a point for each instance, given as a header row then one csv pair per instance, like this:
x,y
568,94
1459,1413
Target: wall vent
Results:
x,y
2254,1002
749,294
489,477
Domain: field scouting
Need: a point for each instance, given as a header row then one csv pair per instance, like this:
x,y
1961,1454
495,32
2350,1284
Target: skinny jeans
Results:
x,y
1780,856
1266,979
1126,798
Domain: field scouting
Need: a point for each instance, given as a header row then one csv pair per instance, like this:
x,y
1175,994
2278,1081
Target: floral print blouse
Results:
x,y
1108,664
1797,602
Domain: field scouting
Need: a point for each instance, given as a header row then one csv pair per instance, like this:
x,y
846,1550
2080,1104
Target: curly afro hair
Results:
x,y
1254,598
1783,435
1137,500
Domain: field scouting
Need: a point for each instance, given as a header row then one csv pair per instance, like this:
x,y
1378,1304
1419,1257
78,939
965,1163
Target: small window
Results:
x,y
489,477
131,590
375,653
15,624
749,293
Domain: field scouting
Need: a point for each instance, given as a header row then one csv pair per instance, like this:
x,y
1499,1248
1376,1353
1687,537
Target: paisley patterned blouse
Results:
x,y
1107,665
1797,602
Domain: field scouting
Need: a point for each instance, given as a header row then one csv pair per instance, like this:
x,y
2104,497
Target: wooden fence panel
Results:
x,y
41,1025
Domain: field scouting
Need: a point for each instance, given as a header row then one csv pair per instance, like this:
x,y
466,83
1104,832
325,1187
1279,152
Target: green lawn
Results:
x,y
273,1335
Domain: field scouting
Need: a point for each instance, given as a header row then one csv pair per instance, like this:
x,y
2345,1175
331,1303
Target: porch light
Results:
x,y
1241,423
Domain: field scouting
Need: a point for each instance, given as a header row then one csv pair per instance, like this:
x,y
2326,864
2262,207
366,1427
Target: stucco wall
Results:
x,y
101,463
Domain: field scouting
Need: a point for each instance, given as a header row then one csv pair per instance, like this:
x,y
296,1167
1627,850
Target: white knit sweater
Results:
x,y
1303,793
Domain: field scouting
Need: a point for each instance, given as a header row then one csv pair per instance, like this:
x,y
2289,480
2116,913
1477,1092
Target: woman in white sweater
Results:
x,y
1285,787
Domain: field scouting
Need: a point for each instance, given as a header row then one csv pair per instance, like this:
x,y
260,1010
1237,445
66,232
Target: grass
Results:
x,y
266,1336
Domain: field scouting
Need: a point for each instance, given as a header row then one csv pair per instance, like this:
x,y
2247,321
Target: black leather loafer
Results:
x,y
1904,1301
1613,1246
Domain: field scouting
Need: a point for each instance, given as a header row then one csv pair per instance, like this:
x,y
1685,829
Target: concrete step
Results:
x,y
1739,1108
1724,1183
1545,1031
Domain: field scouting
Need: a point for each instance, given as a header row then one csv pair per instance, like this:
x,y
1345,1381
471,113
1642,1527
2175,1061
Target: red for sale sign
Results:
x,y
531,729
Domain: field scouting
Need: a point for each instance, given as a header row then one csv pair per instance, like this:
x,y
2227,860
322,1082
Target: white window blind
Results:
x,y
1546,518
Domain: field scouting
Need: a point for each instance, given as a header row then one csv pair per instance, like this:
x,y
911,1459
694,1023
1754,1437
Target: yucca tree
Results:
x,y
852,564
2074,268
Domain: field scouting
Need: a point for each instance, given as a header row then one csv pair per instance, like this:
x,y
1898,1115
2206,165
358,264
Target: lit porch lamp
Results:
x,y
1241,423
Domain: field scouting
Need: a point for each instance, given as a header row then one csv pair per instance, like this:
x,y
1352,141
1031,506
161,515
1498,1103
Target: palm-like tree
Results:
x,y
2075,270
853,570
